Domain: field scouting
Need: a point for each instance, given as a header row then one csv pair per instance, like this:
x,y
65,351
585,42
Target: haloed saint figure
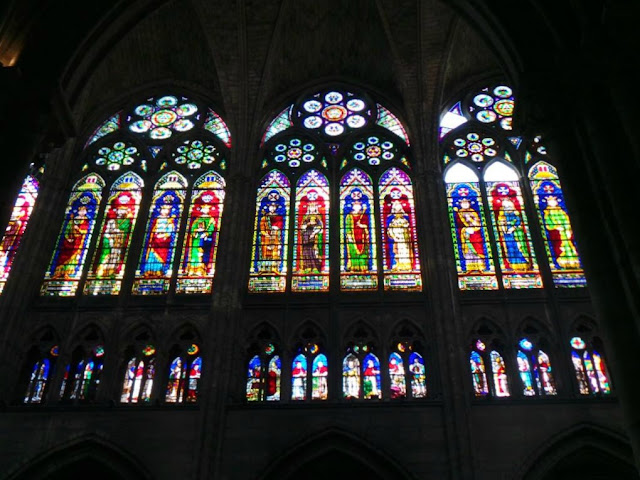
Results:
x,y
271,226
398,225
202,234
161,237
312,209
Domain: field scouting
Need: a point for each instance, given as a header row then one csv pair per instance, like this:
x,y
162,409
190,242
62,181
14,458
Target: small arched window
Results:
x,y
83,374
139,372
488,369
590,369
407,372
335,144
264,369
485,160
20,215
185,371
40,368
534,367
361,376
310,373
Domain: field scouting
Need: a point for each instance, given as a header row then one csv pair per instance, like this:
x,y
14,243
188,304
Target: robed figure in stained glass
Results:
x,y
312,210
558,227
161,236
202,235
75,235
511,228
358,234
471,234
114,240
397,218
271,233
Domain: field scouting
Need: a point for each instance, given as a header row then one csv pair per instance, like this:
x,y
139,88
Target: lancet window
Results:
x,y
491,205
168,154
335,157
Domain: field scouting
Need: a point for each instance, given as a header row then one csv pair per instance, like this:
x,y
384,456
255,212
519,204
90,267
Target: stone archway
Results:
x,y
335,455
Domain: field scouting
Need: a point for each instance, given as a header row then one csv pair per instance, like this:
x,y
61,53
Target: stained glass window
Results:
x,y
566,267
590,369
397,376
499,371
218,127
41,372
474,260
158,118
351,376
109,126
17,225
156,260
319,377
64,272
478,374
107,268
196,154
278,124
264,375
358,266
494,106
371,382
399,237
138,377
452,119
524,367
418,376
299,378
311,240
332,113
184,377
268,271
389,121
515,251
83,376
197,266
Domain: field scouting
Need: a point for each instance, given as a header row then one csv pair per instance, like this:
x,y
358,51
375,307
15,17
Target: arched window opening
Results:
x,y
83,374
65,269
361,377
407,374
185,372
537,377
477,133
589,365
139,371
264,369
133,144
488,368
40,368
20,215
197,266
358,267
107,269
314,141
510,227
562,253
270,237
155,267
474,259
309,373
311,239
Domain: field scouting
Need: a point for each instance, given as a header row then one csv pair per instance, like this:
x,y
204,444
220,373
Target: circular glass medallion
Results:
x,y
113,167
373,151
374,161
474,137
308,147
208,159
308,158
312,122
356,121
167,101
526,344
312,106
294,153
387,145
162,118
483,100
475,147
294,163
578,343
333,97
183,125
143,110
459,142
140,126
488,141
490,152
502,91
504,107
101,161
387,155
186,109
462,152
280,158
195,155
486,116
359,146
131,150
476,157
160,133
295,142
506,123
334,113
280,147
355,105
334,129
480,345
359,156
